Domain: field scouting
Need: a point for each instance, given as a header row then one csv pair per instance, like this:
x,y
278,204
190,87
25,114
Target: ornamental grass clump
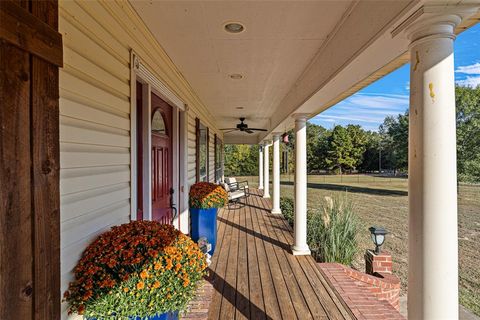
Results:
x,y
332,231
206,195
287,208
141,269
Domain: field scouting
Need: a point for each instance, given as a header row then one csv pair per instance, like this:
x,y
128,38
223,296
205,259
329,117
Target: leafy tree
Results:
x,y
394,145
371,155
316,142
467,101
241,160
346,146
359,140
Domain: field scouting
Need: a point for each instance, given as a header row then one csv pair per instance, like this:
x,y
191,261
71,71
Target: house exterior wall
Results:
x,y
95,115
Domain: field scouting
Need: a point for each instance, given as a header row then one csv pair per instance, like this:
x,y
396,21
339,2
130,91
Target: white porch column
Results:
x,y
266,172
276,173
300,246
260,167
433,240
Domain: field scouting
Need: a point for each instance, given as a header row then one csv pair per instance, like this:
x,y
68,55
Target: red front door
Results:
x,y
161,127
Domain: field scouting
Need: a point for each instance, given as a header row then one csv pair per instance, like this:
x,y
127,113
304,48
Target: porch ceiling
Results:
x,y
287,53
279,41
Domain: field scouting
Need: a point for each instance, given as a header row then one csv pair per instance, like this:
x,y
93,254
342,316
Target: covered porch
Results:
x,y
76,136
255,276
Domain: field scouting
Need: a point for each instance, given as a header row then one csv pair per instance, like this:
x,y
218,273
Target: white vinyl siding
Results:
x,y
94,135
95,96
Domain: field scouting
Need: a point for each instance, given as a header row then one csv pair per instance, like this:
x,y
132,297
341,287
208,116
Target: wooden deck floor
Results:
x,y
256,277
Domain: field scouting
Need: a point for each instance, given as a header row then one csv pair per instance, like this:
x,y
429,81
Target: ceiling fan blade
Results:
x,y
229,129
256,129
248,130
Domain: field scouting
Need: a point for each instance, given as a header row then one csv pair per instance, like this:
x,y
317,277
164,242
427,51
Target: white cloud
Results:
x,y
469,81
471,69
366,109
354,118
370,105
382,101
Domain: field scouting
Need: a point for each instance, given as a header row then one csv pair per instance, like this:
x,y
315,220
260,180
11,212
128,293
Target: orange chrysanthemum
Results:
x,y
144,274
113,258
207,195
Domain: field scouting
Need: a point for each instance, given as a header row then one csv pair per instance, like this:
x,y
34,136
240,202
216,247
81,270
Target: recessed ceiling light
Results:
x,y
236,76
234,27
239,108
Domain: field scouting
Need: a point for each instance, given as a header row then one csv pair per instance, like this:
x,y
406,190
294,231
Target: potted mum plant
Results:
x,y
136,271
205,198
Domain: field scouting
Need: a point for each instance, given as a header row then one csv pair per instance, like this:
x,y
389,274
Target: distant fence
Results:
x,y
332,179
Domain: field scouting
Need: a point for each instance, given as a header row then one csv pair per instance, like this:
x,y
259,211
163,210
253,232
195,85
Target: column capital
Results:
x,y
300,116
434,21
276,134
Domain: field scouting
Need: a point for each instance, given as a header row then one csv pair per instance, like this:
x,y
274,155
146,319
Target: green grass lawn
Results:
x,y
384,202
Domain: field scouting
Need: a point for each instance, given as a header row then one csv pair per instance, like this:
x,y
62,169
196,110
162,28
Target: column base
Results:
x,y
303,251
276,211
266,196
260,188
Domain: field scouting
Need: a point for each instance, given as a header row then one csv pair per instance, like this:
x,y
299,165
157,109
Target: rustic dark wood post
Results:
x,y
30,54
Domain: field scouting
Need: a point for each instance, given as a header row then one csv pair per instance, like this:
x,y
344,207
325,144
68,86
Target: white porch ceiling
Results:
x,y
295,56
279,41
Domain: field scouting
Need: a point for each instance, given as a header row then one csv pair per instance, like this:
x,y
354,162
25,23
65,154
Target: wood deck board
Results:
x,y
218,267
242,302
284,300
272,308
255,275
291,278
318,282
307,284
230,287
257,306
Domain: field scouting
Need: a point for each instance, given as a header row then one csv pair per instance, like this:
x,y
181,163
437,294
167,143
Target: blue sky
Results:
x,y
390,95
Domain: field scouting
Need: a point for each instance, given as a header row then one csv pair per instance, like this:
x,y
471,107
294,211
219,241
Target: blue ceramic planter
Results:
x,y
204,224
163,316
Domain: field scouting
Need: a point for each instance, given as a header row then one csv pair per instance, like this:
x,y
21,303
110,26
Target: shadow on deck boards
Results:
x,y
249,310
268,239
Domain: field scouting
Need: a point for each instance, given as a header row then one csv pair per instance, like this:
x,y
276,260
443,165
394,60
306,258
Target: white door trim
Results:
x,y
151,84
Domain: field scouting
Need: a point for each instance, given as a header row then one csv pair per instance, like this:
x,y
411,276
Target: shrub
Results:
x,y
205,195
141,268
287,208
332,231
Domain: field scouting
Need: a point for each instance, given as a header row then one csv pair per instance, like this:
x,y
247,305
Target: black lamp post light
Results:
x,y
378,237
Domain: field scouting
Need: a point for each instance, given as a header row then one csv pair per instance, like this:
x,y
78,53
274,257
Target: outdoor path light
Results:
x,y
378,237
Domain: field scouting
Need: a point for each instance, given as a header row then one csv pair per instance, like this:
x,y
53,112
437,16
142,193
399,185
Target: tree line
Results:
x,y
348,149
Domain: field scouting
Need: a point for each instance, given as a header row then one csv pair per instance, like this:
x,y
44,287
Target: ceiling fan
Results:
x,y
243,127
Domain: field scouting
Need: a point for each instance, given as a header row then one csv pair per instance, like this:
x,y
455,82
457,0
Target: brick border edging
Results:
x,y
357,294
198,307
379,279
